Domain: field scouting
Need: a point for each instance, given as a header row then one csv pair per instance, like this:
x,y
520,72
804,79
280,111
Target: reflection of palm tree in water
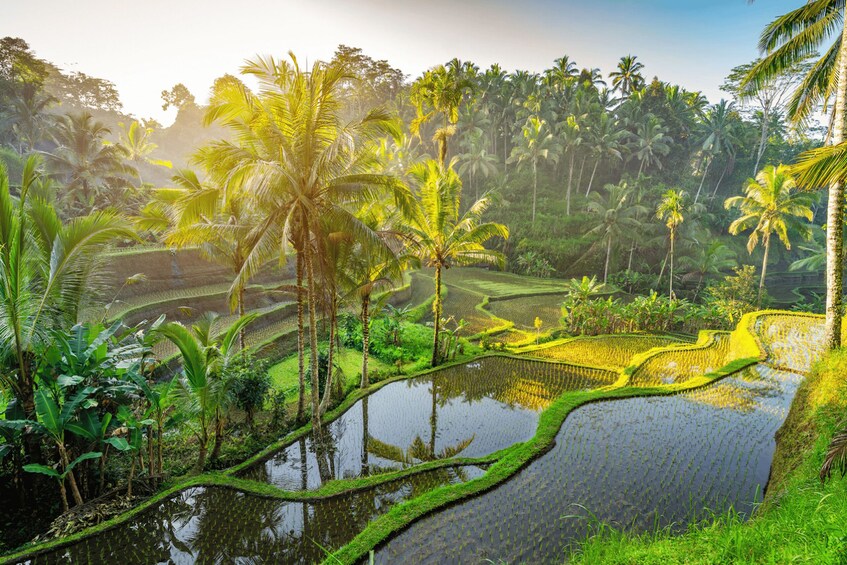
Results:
x,y
365,436
419,451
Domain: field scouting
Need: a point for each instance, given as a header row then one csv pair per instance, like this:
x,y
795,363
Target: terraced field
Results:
x,y
613,351
523,311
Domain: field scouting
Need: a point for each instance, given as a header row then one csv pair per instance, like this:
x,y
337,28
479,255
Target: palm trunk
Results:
x,y
570,179
313,339
365,437
763,139
581,168
670,286
366,335
720,180
608,255
301,341
591,180
702,180
241,315
767,244
835,214
534,187
641,167
219,436
333,324
436,311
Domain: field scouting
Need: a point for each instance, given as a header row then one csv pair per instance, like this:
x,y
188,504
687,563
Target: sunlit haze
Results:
x,y
146,47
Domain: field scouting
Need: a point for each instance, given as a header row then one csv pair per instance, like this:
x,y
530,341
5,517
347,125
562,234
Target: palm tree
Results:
x,y
135,145
571,140
477,161
617,217
46,268
787,42
671,210
439,91
86,166
442,238
304,168
771,205
197,213
718,131
537,144
605,137
627,78
201,389
710,259
650,142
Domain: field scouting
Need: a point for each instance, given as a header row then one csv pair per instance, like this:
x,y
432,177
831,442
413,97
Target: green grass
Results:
x,y
801,521
284,375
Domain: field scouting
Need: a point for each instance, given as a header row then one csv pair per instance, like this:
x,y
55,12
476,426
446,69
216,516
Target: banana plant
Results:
x,y
53,422
133,445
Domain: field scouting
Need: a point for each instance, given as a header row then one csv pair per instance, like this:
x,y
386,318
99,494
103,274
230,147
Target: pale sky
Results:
x,y
147,46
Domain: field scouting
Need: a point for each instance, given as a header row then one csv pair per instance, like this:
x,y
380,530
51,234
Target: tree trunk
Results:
x,y
591,180
301,341
641,167
670,293
767,244
64,494
835,214
436,311
581,168
720,180
219,437
366,338
71,479
763,140
201,455
534,188
608,255
241,315
570,180
702,180
313,339
330,378
365,437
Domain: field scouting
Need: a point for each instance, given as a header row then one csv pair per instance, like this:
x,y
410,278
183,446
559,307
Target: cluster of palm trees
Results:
x,y
295,178
568,122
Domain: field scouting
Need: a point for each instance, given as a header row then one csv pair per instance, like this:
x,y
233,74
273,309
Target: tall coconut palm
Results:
x,y
818,26
671,210
627,78
536,145
440,236
204,214
46,274
650,143
477,161
718,130
771,205
616,217
135,145
571,139
303,167
605,137
87,167
440,91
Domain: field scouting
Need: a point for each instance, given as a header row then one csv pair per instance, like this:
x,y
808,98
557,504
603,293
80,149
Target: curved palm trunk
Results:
x,y
591,180
767,244
301,341
366,338
436,311
835,214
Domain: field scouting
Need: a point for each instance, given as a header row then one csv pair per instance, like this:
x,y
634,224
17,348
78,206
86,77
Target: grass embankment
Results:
x,y
285,375
801,520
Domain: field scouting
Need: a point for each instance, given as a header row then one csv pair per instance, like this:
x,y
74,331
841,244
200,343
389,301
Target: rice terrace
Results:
x,y
266,297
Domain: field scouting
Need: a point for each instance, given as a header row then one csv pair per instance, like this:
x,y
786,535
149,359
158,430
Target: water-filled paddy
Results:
x,y
470,410
222,525
632,463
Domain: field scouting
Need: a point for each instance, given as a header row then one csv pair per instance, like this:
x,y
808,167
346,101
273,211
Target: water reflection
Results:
x,y
220,525
470,410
